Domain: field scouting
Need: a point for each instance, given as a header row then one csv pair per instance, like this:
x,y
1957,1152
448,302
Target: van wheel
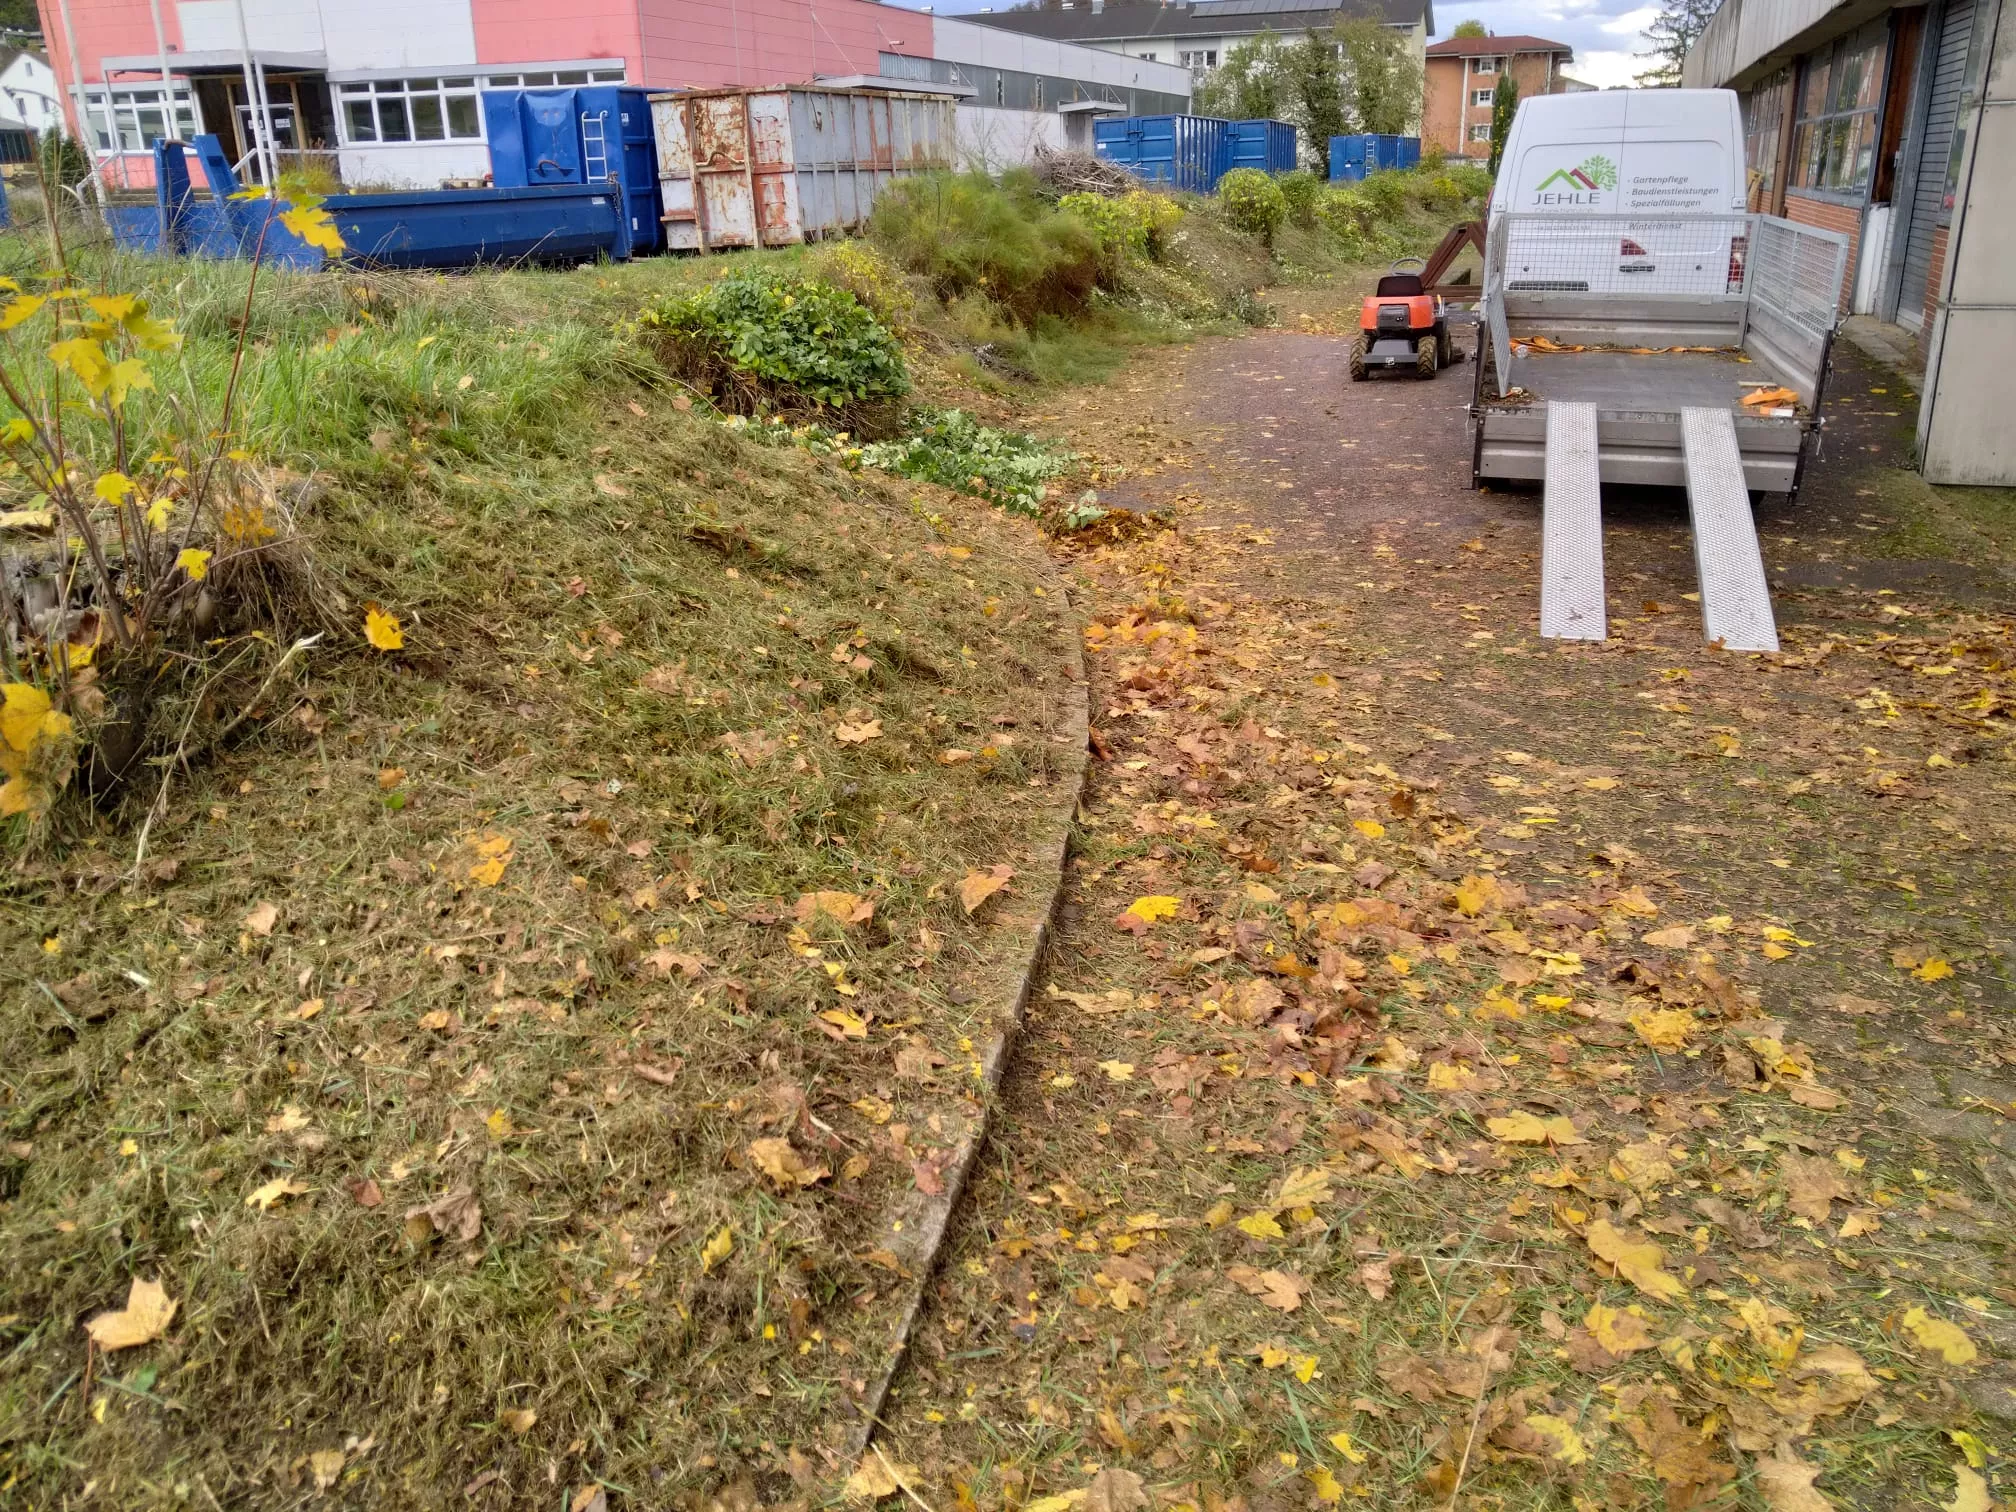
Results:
x,y
1358,359
1424,357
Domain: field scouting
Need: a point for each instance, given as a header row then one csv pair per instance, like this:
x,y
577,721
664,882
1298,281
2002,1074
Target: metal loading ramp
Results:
x,y
1571,529
1735,597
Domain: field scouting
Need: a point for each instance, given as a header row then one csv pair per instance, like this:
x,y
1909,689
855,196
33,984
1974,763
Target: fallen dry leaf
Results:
x,y
276,1191
782,1163
518,1420
455,1214
979,886
847,907
326,1466
857,734
261,919
1947,1340
144,1318
1639,1262
1530,1128
1787,1482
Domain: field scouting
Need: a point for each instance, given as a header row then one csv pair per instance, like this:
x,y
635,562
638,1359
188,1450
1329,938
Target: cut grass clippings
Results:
x,y
508,1046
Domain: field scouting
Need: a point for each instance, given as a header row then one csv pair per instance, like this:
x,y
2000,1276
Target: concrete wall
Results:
x,y
1748,38
997,139
968,42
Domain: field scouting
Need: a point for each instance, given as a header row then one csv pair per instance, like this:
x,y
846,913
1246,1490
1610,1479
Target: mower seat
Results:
x,y
1400,286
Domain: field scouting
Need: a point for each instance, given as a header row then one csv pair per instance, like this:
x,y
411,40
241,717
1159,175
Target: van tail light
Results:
x,y
1629,248
1739,251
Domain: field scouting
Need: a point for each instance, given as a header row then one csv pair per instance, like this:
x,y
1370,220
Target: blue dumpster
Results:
x,y
545,137
1182,151
1352,157
1266,145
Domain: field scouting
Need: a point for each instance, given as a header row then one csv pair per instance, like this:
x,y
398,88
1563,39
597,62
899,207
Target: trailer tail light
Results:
x,y
1629,248
1739,252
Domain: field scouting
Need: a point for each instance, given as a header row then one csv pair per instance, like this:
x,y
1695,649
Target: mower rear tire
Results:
x,y
1424,357
1445,347
1358,348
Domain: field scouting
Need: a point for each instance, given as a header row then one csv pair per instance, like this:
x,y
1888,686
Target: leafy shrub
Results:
x,y
1299,191
1004,467
1134,224
757,335
1471,181
1253,202
1347,216
861,269
964,232
1386,193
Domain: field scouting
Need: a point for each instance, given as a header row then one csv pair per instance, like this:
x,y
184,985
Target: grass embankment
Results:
x,y
511,921
505,1049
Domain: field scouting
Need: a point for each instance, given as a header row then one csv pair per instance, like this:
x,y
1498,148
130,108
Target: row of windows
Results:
x,y
131,118
1834,136
1011,89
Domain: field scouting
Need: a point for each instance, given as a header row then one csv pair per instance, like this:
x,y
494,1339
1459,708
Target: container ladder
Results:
x,y
595,146
1735,597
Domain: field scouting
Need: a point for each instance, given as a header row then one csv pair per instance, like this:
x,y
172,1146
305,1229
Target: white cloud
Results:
x,y
1632,22
1607,70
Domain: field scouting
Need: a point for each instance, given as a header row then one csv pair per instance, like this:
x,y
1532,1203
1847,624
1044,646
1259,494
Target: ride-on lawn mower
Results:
x,y
1402,326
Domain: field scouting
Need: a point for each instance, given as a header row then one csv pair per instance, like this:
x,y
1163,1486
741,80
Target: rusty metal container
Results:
x,y
776,166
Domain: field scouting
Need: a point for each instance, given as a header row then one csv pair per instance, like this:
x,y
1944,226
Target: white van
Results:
x,y
1625,191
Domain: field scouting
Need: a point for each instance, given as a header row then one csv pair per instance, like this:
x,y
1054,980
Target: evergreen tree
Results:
x,y
1504,105
1672,32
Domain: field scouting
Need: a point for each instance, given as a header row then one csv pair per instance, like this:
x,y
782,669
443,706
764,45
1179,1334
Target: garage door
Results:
x,y
1928,196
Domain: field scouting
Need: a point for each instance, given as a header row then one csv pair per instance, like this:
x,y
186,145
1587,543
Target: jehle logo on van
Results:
x,y
1580,185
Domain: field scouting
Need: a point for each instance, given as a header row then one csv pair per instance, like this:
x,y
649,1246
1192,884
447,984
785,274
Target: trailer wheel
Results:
x,y
1358,359
1424,357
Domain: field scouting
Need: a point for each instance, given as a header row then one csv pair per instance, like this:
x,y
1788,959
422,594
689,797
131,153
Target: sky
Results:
x,y
1604,33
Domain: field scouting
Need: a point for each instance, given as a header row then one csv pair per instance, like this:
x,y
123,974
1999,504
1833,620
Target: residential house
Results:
x,y
1461,81
28,92
385,92
1197,34
1896,126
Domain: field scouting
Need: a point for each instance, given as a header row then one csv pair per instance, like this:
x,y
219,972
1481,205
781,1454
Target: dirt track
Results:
x,y
1335,575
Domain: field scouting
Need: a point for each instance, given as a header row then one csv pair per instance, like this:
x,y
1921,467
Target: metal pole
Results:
x,y
254,116
266,122
168,117
77,116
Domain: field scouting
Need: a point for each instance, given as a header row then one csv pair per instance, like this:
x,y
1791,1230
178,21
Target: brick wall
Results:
x,y
1829,216
1937,272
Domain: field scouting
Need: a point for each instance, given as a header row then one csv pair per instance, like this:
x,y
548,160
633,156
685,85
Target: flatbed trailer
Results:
x,y
1621,350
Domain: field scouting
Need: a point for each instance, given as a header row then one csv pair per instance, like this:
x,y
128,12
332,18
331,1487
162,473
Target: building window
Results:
x,y
1147,57
1482,96
1487,65
134,115
1834,139
439,109
1764,110
1480,133
1198,58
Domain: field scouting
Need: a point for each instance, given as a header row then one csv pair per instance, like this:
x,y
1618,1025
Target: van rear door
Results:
x,y
1626,190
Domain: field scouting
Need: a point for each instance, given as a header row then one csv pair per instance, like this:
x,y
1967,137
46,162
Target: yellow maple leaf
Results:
x,y
1325,1485
1933,970
851,1025
1304,1186
1664,1028
1261,1226
26,717
1341,1442
1371,829
1529,1128
1117,1070
493,853
1564,1443
275,1191
717,1249
1154,907
1619,1331
1639,1263
144,1318
1947,1340
382,629
194,562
